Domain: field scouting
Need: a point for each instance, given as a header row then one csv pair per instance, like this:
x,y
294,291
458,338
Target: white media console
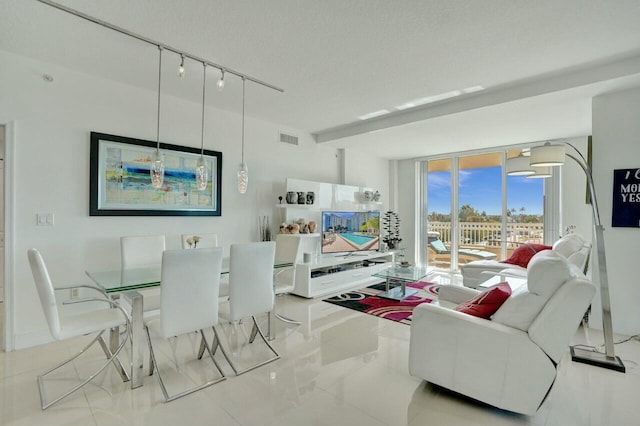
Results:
x,y
336,273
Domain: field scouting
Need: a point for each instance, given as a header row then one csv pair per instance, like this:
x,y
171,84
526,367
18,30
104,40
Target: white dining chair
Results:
x,y
204,240
250,292
287,251
77,324
143,251
188,303
200,240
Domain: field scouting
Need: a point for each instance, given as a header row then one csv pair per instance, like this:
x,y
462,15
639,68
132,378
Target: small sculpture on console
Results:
x,y
391,224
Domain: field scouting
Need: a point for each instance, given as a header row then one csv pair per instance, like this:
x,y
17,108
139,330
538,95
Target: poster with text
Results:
x,y
626,198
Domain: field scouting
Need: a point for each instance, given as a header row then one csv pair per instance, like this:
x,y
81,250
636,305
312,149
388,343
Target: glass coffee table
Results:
x,y
402,275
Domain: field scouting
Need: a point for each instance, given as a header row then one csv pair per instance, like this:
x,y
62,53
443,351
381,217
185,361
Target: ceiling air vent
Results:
x,y
290,139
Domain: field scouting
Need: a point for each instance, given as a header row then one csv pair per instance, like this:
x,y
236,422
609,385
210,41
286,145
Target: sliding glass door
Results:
x,y
472,210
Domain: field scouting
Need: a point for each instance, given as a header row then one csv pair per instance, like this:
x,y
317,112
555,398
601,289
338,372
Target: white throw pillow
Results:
x,y
547,271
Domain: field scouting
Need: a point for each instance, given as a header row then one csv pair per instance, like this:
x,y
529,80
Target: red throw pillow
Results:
x,y
523,254
486,303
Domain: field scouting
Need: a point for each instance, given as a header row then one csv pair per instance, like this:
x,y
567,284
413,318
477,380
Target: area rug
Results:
x,y
366,300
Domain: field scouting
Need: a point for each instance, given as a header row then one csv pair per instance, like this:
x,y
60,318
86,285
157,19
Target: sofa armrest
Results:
x,y
456,294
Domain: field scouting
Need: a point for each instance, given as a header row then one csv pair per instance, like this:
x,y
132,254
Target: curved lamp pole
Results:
x,y
608,359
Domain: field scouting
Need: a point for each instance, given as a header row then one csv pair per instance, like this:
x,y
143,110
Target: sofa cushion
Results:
x,y
487,302
546,273
523,254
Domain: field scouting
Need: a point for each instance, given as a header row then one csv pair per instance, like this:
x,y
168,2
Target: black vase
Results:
x,y
311,197
302,199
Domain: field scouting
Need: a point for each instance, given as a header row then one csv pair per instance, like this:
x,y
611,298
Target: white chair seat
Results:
x,y
89,322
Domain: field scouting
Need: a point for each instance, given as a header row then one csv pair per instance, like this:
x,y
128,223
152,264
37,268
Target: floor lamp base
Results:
x,y
596,358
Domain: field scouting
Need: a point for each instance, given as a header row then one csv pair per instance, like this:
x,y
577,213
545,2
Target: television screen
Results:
x,y
344,232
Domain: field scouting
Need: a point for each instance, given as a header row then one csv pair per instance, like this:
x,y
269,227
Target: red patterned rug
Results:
x,y
366,300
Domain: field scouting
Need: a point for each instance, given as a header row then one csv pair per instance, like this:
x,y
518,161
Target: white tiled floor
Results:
x,y
340,367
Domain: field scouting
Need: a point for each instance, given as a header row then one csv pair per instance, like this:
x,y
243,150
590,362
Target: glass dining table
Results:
x,y
118,283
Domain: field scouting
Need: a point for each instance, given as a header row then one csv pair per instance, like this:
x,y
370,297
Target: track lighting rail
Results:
x,y
157,43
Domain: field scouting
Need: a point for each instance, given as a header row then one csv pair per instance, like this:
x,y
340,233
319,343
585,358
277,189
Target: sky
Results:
x,y
481,188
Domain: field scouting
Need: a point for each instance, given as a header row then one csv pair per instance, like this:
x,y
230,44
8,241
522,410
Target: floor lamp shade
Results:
x,y
547,155
519,166
540,173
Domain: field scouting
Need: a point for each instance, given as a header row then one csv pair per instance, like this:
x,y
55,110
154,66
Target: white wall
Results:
x,y
53,121
362,169
616,130
406,207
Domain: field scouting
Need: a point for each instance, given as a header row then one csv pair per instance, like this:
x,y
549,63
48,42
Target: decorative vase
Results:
x,y
291,197
311,197
312,226
302,199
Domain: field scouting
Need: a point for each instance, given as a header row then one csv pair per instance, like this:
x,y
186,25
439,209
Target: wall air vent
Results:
x,y
290,139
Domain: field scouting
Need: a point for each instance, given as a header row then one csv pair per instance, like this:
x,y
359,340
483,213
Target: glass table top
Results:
x,y
118,280
405,273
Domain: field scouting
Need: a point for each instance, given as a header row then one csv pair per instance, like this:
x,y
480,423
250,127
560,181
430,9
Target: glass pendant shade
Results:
x,y
157,171
541,173
202,175
547,155
243,178
519,166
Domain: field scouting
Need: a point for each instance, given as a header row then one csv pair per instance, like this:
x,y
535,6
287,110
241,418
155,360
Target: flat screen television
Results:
x,y
348,232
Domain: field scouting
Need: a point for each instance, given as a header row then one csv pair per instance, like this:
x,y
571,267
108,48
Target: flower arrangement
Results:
x,y
193,241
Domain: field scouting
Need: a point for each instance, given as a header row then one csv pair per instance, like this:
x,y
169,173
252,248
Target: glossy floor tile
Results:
x,y
340,367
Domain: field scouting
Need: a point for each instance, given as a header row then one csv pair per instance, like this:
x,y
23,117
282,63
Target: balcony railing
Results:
x,y
488,236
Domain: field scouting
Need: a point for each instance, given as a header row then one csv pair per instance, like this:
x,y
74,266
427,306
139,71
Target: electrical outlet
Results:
x,y
74,293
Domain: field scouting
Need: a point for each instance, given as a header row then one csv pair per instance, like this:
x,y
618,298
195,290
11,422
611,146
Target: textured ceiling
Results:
x,y
339,59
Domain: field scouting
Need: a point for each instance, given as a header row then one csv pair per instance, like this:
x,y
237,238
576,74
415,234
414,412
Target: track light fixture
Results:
x,y
181,70
220,83
157,164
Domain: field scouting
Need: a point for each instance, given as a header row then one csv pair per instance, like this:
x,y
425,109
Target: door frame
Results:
x,y
9,235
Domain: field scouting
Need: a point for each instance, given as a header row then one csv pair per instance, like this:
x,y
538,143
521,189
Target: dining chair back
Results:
x,y
251,279
78,324
139,251
199,240
188,303
287,251
250,291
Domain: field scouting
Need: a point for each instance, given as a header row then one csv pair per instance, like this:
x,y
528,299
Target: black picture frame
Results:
x,y
117,185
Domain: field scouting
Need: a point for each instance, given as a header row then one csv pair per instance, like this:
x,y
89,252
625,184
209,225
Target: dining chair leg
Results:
x,y
116,360
116,352
169,398
287,320
254,332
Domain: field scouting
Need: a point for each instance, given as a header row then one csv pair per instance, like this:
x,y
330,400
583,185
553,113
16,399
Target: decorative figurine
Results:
x,y
280,199
291,197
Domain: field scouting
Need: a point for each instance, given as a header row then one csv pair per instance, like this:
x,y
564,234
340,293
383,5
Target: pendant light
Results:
x,y
202,173
157,165
181,70
243,171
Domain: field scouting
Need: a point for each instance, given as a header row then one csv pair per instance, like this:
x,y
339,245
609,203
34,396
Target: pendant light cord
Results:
x,y
159,87
243,81
204,91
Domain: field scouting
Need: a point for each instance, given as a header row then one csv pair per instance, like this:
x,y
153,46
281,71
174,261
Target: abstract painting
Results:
x,y
121,184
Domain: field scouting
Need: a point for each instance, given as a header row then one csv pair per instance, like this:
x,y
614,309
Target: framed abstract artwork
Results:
x,y
120,181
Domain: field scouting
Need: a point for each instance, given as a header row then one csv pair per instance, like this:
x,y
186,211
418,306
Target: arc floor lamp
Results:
x,y
549,155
